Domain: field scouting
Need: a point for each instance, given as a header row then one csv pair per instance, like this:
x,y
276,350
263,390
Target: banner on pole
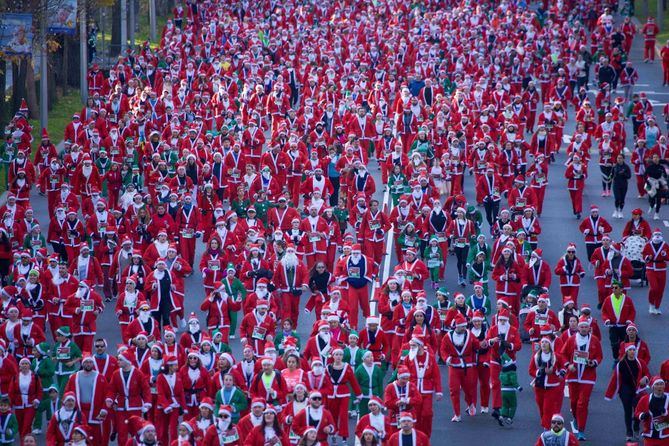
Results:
x,y
16,34
64,21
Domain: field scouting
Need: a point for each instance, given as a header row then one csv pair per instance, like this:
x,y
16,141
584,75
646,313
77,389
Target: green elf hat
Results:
x,y
617,282
64,331
52,388
43,348
354,334
471,209
434,237
231,267
33,272
443,291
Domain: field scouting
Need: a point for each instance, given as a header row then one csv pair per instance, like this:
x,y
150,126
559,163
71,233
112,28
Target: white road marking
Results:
x,y
666,223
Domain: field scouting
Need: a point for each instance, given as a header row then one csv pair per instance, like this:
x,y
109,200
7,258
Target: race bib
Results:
x,y
63,353
520,203
314,238
354,272
87,305
541,319
374,225
214,265
580,357
461,242
259,333
188,233
441,237
433,263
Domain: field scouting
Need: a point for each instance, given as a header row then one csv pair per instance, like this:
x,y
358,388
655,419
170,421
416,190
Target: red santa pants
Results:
x,y
95,428
314,258
602,291
357,296
121,427
576,200
124,333
72,252
579,399
465,380
654,442
374,250
166,426
84,342
483,379
495,385
649,49
640,185
338,407
294,188
570,293
657,281
549,402
290,307
425,415
331,256
25,419
187,249
540,193
531,118
665,72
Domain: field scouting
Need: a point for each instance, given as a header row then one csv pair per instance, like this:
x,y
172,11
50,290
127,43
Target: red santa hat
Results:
x,y
637,211
258,402
68,395
406,416
138,425
403,372
584,320
594,208
503,313
171,360
478,316
630,345
225,409
356,248
460,320
262,303
208,403
84,430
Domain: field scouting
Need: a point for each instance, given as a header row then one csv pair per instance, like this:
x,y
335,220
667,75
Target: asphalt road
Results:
x,y
559,227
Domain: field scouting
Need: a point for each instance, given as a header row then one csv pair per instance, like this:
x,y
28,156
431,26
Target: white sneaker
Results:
x,y
651,309
656,216
658,311
484,410
615,214
471,410
37,431
233,336
456,419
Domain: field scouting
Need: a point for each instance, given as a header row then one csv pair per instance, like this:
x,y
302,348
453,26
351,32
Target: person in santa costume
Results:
x,y
127,306
268,384
223,432
343,381
84,306
257,327
25,393
656,256
583,354
593,228
618,311
314,415
547,369
90,388
576,174
218,306
268,432
189,227
128,393
143,433
541,321
557,434
72,236
356,274
291,279
375,419
652,411
162,291
503,337
458,349
407,434
64,419
630,378
27,335
171,401
570,271
401,395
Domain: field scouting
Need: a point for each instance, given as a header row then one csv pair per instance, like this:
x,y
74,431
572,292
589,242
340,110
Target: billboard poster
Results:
x,y
16,35
64,20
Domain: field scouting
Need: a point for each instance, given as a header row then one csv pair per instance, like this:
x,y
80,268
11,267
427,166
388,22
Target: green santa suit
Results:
x,y
234,398
45,368
508,378
479,272
398,185
371,383
9,427
476,217
33,243
103,165
262,207
240,207
280,338
64,354
235,289
341,214
434,259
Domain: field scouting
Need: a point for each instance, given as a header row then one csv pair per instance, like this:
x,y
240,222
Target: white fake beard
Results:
x,y
289,260
86,171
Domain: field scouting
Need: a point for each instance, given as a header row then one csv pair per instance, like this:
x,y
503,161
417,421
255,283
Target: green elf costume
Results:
x,y
235,289
67,356
353,354
398,185
479,271
9,426
476,217
370,377
217,343
508,378
287,338
48,406
45,368
233,397
434,259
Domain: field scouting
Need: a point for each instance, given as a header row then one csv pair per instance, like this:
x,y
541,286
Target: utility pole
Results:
x,y
131,5
644,8
152,20
83,53
43,83
124,26
660,15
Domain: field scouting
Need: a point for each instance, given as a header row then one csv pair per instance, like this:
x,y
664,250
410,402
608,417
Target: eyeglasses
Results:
x,y
557,422
316,398
99,346
225,416
571,252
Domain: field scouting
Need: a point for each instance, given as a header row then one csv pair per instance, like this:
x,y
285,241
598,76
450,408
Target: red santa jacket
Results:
x,y
301,422
593,230
461,356
131,394
626,316
97,406
418,438
614,382
578,357
569,275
